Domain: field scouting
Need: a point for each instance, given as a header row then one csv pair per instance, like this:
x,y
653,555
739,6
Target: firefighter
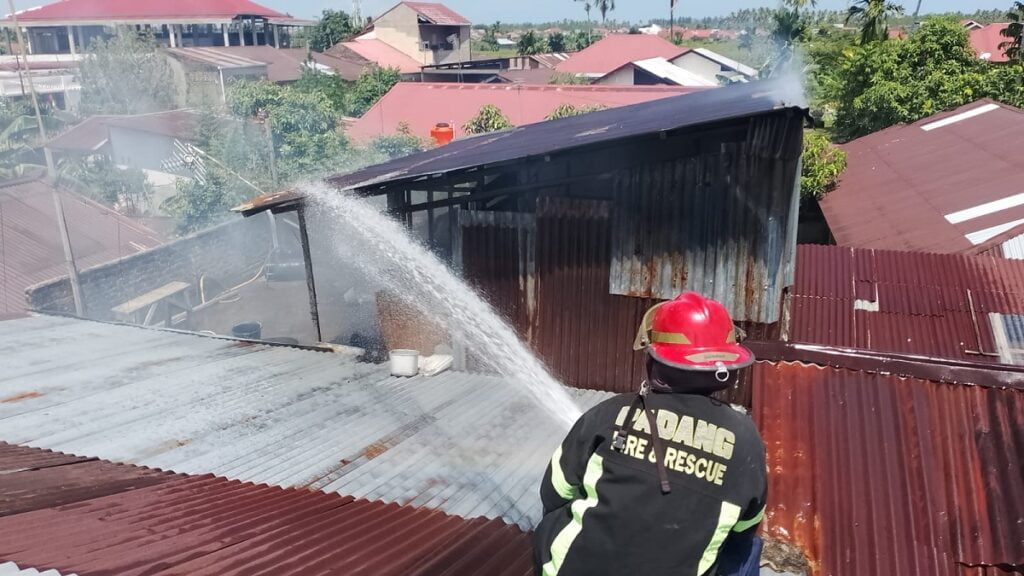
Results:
x,y
668,481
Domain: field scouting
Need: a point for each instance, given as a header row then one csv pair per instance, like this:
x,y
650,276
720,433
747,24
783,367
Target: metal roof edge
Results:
x,y
939,370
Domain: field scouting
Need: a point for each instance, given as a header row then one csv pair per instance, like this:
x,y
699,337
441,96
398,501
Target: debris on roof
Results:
x,y
276,415
421,106
943,184
208,525
935,305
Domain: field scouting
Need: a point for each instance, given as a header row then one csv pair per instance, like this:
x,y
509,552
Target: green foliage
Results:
x,y
556,42
398,145
334,26
1014,32
125,74
371,86
20,144
489,119
489,42
125,189
568,79
883,83
604,7
331,86
531,43
568,111
199,205
873,17
823,163
579,40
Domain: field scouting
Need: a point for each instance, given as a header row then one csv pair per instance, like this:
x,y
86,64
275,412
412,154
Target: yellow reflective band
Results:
x,y
726,520
744,525
560,545
668,338
561,485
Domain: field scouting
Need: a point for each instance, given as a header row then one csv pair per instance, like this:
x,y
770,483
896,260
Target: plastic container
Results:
x,y
405,363
248,331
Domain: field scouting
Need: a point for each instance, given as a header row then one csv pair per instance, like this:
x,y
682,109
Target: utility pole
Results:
x,y
51,172
672,21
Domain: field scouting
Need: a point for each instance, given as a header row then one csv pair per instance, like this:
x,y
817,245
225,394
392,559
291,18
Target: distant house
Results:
x,y
506,42
69,26
421,106
533,69
949,183
411,35
653,30
32,246
695,67
985,40
617,50
971,24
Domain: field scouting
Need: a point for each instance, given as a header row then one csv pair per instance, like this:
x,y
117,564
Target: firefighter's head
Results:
x,y
691,345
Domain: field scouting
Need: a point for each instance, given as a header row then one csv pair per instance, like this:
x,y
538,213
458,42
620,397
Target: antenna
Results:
x,y
357,11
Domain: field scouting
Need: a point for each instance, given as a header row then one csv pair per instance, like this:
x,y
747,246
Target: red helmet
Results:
x,y
692,333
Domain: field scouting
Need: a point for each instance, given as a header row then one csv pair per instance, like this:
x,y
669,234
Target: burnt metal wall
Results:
x,y
719,222
876,474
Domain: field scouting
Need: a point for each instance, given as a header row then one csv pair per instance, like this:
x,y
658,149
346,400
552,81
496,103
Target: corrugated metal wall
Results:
x,y
873,474
1014,248
719,223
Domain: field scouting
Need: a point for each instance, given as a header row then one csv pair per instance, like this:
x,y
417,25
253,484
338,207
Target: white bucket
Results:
x,y
405,363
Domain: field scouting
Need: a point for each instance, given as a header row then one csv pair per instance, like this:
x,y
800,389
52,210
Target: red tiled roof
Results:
x,y
132,521
614,51
438,14
934,305
929,186
128,10
32,251
423,105
377,52
986,41
872,473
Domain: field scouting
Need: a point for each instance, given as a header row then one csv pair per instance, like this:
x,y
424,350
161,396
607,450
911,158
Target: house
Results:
x,y
986,41
944,184
654,71
579,189
532,69
971,24
653,30
711,65
32,248
69,26
616,50
421,106
411,35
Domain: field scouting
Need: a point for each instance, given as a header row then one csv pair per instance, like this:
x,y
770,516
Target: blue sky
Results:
x,y
635,10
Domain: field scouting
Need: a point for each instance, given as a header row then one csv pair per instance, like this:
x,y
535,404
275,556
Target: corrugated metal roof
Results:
x,y
903,302
467,444
208,525
615,50
439,14
219,58
669,72
12,569
874,474
30,245
116,11
726,62
942,184
986,40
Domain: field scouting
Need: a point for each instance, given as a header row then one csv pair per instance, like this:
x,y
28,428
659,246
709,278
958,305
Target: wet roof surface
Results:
x,y
275,415
136,521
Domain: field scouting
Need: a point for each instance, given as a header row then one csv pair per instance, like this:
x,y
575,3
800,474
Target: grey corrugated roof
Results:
x,y
470,445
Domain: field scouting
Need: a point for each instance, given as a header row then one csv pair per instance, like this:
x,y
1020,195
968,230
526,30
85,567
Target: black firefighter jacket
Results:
x,y
604,510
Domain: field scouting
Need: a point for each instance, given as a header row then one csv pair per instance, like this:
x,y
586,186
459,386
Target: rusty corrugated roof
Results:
x,y
875,474
208,525
903,302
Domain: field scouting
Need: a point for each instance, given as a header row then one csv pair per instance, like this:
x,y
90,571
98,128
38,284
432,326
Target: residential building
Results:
x,y
987,41
411,35
616,50
713,66
533,69
943,184
31,247
421,106
69,26
654,71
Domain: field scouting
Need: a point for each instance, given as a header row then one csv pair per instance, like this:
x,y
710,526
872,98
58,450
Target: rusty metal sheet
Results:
x,y
874,474
206,525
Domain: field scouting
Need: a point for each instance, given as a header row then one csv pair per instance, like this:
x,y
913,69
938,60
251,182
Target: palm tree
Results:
x,y
873,16
1014,31
605,6
587,6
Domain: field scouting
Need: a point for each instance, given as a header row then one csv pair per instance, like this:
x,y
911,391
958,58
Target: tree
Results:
x,y
746,41
127,190
371,86
489,42
489,119
604,7
331,86
579,40
788,30
530,43
568,79
556,42
587,7
334,26
568,111
1014,31
125,74
873,16
823,163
